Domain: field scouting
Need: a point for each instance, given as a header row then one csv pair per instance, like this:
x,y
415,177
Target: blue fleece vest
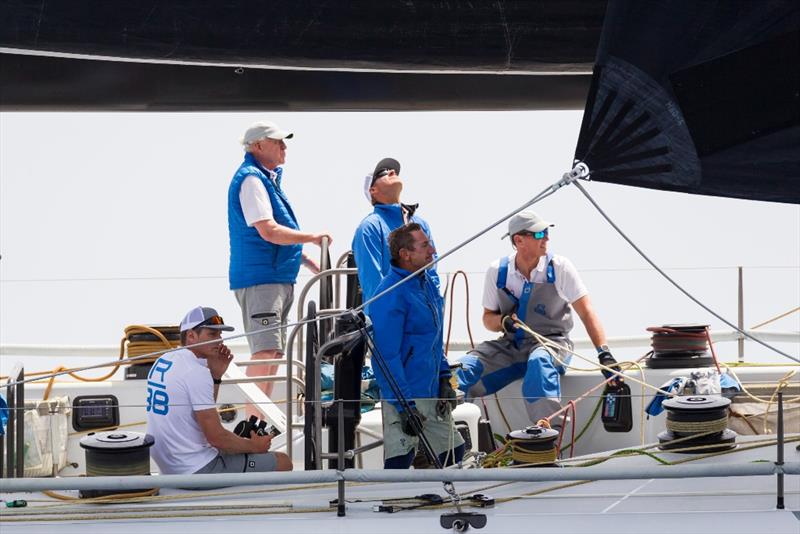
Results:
x,y
253,260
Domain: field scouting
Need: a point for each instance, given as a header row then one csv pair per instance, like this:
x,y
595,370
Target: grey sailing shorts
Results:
x,y
275,299
240,463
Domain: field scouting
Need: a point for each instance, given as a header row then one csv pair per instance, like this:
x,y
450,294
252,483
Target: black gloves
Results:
x,y
605,358
507,323
407,419
447,397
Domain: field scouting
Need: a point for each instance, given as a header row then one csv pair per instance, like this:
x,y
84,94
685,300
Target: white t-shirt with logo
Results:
x,y
179,383
568,283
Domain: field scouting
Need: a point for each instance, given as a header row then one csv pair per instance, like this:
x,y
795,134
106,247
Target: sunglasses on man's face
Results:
x,y
211,320
537,235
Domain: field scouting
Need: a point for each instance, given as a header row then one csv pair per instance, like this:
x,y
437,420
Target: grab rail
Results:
x,y
15,436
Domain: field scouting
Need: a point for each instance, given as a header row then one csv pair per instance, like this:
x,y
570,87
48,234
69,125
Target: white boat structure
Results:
x,y
709,464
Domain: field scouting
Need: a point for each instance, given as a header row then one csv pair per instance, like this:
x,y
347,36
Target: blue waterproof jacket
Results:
x,y
253,260
407,325
371,245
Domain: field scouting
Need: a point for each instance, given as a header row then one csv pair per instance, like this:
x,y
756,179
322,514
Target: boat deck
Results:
x,y
723,504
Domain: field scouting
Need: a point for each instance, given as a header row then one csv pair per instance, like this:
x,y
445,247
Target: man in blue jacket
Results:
x,y
407,324
266,244
371,240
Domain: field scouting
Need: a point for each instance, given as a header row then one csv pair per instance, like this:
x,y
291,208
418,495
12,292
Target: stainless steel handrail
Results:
x,y
301,299
15,429
295,358
346,338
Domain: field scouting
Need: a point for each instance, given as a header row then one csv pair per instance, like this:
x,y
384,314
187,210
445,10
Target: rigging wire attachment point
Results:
x,y
579,172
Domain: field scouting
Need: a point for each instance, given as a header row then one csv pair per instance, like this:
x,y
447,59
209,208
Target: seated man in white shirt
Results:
x,y
182,416
540,289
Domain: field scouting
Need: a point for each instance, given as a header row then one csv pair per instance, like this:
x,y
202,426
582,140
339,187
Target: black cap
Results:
x,y
384,164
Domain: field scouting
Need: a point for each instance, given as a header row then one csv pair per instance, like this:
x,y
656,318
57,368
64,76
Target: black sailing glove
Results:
x,y
447,397
605,358
508,324
407,419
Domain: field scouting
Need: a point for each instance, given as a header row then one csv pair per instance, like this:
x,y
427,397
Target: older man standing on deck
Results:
x,y
266,244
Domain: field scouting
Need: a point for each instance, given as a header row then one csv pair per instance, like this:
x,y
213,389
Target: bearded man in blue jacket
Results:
x,y
371,240
407,324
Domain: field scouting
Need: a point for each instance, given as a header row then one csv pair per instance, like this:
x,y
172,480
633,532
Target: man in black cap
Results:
x,y
182,416
370,245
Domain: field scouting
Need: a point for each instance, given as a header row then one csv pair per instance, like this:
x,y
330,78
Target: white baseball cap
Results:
x,y
205,317
264,130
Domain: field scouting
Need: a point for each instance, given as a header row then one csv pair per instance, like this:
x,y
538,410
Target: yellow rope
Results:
x,y
783,383
695,427
525,456
781,316
791,400
104,498
545,342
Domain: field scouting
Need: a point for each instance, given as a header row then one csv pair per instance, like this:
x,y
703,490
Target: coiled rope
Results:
x,y
698,427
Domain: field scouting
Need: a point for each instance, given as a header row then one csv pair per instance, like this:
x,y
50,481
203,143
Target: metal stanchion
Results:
x,y
780,505
340,509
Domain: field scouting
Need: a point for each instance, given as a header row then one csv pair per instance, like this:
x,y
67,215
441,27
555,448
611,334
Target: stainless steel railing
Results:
x,y
14,439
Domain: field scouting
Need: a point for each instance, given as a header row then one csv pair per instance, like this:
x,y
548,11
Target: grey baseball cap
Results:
x,y
526,221
264,130
205,317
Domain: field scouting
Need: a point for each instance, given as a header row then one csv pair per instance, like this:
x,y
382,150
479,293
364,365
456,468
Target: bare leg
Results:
x,y
262,370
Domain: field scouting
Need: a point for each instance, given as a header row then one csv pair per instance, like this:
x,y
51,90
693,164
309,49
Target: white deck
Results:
x,y
709,505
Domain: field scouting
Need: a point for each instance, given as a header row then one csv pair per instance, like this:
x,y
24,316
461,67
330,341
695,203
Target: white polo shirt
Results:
x,y
568,283
254,199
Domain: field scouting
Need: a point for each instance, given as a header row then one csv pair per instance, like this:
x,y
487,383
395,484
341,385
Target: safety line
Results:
x,y
673,282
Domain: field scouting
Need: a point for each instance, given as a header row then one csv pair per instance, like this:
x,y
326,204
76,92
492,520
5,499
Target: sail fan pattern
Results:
x,y
697,97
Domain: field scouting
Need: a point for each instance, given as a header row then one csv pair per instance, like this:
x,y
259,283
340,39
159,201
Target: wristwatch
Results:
x,y
602,348
216,380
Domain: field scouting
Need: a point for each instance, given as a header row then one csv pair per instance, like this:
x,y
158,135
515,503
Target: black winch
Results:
x,y
116,453
679,346
534,445
701,420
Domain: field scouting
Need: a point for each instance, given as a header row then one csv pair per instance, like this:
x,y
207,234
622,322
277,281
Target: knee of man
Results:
x,y
540,358
469,373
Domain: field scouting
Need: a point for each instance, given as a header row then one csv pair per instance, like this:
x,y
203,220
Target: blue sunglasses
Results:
x,y
537,235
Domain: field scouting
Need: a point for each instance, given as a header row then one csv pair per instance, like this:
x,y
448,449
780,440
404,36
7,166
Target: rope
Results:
x,y
466,308
697,427
782,384
781,316
673,282
525,456
139,357
105,498
545,342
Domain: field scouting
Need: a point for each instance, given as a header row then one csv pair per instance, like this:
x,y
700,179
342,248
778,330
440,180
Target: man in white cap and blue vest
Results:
x,y
370,246
266,244
540,289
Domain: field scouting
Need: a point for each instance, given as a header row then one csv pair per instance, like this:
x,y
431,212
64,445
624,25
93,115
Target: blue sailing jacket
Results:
x,y
407,325
371,245
253,260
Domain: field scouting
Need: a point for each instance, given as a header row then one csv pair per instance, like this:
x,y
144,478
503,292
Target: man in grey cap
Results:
x,y
182,388
266,244
370,245
540,289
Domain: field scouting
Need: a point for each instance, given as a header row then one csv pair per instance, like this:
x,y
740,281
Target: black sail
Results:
x,y
698,97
